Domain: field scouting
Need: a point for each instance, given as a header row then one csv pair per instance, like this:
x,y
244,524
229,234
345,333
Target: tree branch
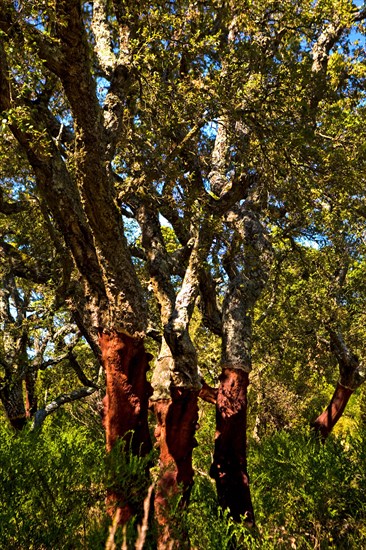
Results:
x,y
158,263
207,393
352,372
176,330
42,414
12,207
22,266
101,30
322,47
320,54
79,371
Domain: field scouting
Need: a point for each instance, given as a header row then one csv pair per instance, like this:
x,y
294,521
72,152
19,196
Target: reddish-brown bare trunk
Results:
x,y
125,404
324,424
207,393
177,421
229,468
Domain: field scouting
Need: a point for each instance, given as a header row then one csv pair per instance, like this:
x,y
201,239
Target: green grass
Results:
x,y
306,495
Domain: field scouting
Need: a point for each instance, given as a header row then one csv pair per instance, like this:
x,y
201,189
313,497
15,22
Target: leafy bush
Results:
x,y
306,495
50,491
311,494
53,487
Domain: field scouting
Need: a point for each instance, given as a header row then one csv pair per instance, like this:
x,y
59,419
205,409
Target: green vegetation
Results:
x,y
307,495
51,493
182,225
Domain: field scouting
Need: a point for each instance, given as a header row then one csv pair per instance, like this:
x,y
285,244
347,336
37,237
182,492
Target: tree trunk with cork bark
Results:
x,y
175,432
247,265
109,304
175,380
326,421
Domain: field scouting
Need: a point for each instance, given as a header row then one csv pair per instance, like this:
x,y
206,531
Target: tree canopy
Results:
x,y
178,176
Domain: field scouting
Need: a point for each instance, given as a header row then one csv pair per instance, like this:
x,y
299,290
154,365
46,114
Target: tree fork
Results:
x,y
175,433
125,405
229,467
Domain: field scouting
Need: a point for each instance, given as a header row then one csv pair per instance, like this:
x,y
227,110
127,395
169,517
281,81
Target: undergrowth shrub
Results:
x,y
127,474
50,490
306,495
312,495
53,485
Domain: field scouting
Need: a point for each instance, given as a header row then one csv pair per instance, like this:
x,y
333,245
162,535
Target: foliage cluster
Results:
x,y
242,125
51,491
307,495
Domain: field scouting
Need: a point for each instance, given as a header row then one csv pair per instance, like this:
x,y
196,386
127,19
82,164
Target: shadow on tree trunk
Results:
x,y
125,406
177,421
229,467
11,395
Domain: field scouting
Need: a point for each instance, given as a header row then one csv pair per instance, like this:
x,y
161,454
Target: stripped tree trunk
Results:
x,y
229,468
178,418
176,413
247,266
176,387
176,425
351,377
125,405
207,393
326,421
108,300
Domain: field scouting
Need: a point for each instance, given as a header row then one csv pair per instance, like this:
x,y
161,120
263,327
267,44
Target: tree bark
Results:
x,y
352,375
326,421
207,393
125,404
177,420
247,265
11,395
175,381
31,401
229,467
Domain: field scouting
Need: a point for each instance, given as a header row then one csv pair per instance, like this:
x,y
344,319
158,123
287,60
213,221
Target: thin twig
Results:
x,y
110,544
142,529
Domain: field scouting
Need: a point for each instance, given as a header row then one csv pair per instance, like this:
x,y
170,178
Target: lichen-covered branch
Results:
x,y
352,372
158,262
102,35
41,415
176,330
